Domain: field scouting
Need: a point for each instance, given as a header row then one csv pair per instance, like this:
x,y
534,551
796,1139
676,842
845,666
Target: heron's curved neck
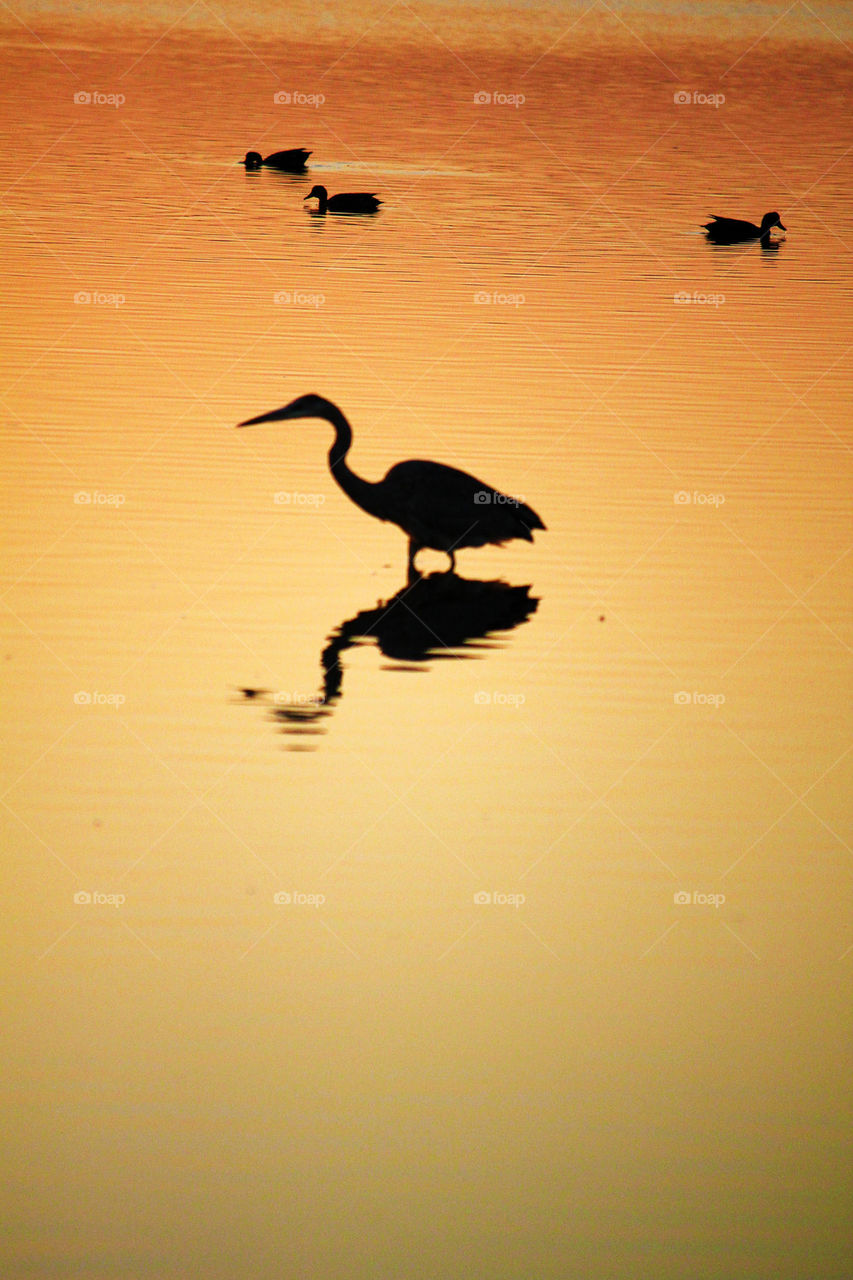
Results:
x,y
362,492
324,200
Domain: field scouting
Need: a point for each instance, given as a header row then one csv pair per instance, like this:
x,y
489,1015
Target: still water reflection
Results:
x,y
540,965
441,616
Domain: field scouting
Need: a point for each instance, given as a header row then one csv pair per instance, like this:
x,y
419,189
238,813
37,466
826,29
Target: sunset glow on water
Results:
x,y
491,926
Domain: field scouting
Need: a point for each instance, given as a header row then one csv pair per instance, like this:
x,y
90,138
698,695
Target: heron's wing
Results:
x,y
446,508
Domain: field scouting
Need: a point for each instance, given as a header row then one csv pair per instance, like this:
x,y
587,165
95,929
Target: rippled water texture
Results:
x,y
497,926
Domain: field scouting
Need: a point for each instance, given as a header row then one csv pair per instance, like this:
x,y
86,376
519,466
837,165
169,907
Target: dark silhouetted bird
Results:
x,y
288,161
435,506
346,202
734,231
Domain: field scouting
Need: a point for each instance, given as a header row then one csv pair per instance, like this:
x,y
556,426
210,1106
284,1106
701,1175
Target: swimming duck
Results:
x,y
346,202
733,230
289,161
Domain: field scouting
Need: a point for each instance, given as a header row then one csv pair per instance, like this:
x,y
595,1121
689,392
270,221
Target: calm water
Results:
x,y
630,1060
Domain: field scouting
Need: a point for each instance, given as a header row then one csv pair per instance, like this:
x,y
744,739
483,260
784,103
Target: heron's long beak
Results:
x,y
782,225
274,416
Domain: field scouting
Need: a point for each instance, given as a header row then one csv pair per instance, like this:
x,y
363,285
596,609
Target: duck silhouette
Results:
x,y
735,231
346,202
292,161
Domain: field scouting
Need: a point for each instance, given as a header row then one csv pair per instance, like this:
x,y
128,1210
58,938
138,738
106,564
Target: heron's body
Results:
x,y
735,231
346,202
435,506
292,161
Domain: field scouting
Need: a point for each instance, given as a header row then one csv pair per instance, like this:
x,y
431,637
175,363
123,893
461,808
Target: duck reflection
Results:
x,y
433,618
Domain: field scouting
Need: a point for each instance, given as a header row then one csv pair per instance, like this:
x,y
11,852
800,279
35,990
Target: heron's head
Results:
x,y
320,192
253,160
771,220
310,406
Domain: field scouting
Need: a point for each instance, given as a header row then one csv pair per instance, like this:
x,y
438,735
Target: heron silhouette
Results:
x,y
346,202
435,506
736,231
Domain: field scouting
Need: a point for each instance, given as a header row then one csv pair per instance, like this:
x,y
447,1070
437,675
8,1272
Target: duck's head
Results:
x,y
253,160
769,221
320,192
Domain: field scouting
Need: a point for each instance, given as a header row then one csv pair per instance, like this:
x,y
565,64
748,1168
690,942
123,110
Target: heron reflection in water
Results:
x,y
438,617
435,506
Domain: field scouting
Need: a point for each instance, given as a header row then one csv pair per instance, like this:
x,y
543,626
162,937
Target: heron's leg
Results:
x,y
452,568
414,548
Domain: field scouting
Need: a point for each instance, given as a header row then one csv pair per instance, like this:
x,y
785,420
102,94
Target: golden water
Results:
x,y
585,1075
